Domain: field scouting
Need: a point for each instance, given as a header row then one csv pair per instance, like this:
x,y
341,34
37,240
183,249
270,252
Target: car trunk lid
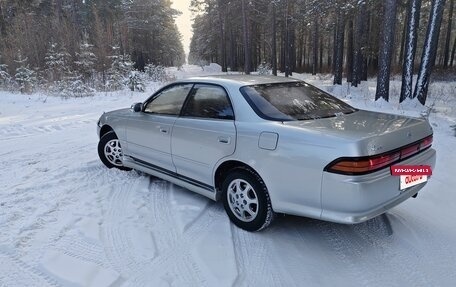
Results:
x,y
373,132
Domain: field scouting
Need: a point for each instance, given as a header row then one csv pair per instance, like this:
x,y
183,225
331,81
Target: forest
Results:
x,y
352,39
77,47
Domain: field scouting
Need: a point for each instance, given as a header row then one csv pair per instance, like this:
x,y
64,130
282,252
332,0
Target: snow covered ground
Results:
x,y
67,220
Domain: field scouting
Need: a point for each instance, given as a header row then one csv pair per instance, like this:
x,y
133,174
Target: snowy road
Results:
x,y
67,220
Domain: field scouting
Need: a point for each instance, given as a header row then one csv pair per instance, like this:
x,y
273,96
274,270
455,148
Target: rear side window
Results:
x,y
169,101
293,101
208,101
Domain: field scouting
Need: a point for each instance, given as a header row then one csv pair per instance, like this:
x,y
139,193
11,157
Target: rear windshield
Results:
x,y
293,101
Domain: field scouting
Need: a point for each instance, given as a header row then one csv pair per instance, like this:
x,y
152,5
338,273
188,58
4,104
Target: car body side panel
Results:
x,y
292,172
198,144
149,139
117,120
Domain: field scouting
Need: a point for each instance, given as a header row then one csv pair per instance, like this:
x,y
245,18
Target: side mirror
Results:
x,y
137,107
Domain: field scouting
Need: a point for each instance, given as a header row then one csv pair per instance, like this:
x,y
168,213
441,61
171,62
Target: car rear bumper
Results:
x,y
354,199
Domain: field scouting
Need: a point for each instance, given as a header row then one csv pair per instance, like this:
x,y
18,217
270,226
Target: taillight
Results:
x,y
363,165
368,164
409,151
427,142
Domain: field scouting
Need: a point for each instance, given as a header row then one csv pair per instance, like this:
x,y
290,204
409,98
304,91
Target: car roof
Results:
x,y
240,80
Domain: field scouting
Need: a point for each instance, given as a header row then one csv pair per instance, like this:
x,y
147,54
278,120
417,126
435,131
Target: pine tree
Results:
x,y
411,39
339,48
448,36
86,60
386,50
57,62
246,37
5,77
135,82
156,73
24,77
76,87
118,74
429,50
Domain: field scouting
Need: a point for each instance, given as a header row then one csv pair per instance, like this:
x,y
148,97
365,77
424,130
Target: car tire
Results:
x,y
246,200
110,151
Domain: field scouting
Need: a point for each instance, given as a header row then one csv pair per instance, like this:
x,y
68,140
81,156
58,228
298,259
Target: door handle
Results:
x,y
163,130
224,140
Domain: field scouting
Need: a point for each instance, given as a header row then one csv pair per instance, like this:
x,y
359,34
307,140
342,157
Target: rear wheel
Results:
x,y
110,151
246,200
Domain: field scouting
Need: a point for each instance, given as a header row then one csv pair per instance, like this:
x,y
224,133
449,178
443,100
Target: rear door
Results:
x,y
149,132
204,133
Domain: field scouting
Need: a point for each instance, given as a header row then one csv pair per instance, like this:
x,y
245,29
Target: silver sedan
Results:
x,y
266,145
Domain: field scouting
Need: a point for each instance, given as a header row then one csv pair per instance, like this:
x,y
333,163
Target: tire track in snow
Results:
x,y
14,272
114,234
252,252
50,223
44,126
174,260
373,232
366,249
84,250
443,254
347,252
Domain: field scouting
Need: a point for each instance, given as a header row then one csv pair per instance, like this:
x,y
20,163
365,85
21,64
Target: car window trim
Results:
x,y
181,115
157,93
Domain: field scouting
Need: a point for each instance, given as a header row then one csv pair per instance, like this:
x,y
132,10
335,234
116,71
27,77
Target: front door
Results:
x,y
149,131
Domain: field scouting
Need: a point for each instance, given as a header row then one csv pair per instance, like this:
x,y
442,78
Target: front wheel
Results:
x,y
110,151
246,200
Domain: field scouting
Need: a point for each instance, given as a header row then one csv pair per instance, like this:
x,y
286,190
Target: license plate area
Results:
x,y
407,181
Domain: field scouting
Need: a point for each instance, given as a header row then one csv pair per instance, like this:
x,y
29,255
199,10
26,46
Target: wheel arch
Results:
x,y
223,170
105,129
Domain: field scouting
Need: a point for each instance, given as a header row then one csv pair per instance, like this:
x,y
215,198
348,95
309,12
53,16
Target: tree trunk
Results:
x,y
232,51
358,42
429,50
221,14
386,50
403,37
315,45
366,44
320,68
292,49
333,62
339,48
245,27
350,52
452,52
282,48
411,39
300,51
287,40
448,35
274,40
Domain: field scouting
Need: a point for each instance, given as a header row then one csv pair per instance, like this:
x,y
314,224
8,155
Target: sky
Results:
x,y
184,22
